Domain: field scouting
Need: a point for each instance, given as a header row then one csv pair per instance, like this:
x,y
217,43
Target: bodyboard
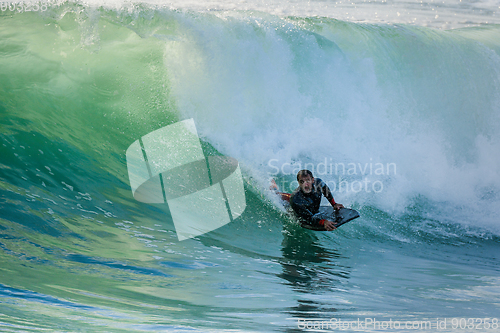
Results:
x,y
339,217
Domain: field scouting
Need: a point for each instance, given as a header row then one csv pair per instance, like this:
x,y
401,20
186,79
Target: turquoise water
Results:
x,y
402,121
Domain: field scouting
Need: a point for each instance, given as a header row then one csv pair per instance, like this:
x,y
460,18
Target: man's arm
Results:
x,y
329,196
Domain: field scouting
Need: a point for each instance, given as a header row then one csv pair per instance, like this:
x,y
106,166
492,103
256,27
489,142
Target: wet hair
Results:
x,y
304,173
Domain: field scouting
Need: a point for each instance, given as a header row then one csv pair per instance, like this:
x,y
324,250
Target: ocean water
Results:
x,y
395,104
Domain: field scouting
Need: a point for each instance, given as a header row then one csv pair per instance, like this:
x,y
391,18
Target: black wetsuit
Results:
x,y
306,205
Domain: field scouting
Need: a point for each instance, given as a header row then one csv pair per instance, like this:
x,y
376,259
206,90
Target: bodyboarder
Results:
x,y
306,199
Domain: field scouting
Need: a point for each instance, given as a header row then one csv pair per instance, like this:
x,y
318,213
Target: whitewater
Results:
x,y
394,104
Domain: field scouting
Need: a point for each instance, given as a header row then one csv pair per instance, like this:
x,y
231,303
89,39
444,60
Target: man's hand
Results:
x,y
337,206
329,225
273,186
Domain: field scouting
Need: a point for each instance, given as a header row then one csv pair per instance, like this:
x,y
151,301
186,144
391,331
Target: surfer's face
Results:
x,y
306,183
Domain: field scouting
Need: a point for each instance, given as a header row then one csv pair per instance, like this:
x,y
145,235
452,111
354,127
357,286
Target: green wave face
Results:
x,y
401,121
